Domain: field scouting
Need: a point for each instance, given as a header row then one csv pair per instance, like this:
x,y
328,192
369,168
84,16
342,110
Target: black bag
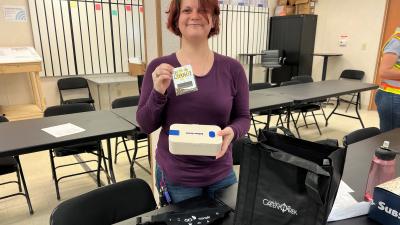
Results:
x,y
284,180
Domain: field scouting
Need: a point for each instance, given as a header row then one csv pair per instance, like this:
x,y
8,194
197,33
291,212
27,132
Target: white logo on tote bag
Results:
x,y
283,207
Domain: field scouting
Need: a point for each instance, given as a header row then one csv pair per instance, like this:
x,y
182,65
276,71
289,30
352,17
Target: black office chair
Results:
x,y
92,147
106,205
71,83
268,113
137,136
360,135
9,165
352,75
271,59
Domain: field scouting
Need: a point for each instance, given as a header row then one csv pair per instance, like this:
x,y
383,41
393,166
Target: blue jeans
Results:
x,y
388,105
179,193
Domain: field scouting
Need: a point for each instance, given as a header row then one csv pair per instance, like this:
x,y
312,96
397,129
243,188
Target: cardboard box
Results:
x,y
301,2
284,10
280,10
297,2
136,67
307,8
282,2
292,2
194,139
385,208
290,10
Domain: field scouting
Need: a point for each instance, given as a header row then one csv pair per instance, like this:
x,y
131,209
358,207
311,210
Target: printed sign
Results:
x,y
14,13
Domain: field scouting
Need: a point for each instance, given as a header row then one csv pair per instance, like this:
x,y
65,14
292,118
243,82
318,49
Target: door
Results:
x,y
392,20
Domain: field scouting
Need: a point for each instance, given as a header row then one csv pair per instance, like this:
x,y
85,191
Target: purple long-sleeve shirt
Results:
x,y
222,99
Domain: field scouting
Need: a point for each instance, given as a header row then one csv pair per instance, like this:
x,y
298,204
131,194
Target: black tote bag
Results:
x,y
284,180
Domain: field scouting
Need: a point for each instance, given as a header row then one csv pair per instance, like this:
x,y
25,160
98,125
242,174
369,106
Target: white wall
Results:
x,y
362,22
170,42
15,34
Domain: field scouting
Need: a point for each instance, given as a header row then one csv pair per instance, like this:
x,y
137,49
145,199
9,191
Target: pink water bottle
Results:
x,y
383,168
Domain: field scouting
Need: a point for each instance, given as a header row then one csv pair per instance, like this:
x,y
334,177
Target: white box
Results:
x,y
194,139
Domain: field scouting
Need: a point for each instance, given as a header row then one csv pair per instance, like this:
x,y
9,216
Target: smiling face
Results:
x,y
195,21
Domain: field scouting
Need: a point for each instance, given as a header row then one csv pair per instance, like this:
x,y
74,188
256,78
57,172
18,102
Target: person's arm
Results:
x,y
386,69
240,110
152,102
240,114
391,53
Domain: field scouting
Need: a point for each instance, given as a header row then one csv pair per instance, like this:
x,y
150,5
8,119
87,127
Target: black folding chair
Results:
x,y
93,147
136,136
352,75
268,113
304,108
106,205
74,83
13,165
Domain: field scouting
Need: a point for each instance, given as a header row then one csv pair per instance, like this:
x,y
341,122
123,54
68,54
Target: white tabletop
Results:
x,y
111,78
18,55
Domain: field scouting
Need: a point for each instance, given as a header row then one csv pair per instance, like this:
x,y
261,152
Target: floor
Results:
x,y
36,166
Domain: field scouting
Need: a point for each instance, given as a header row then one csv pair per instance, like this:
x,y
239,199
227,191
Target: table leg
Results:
x,y
341,114
98,95
251,69
110,162
358,114
109,96
333,111
288,116
324,67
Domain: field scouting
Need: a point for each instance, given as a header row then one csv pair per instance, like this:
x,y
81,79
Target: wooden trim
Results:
x,y
159,30
145,32
41,103
20,67
371,105
21,112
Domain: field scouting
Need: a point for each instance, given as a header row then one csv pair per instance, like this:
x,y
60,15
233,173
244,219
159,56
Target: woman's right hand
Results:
x,y
162,77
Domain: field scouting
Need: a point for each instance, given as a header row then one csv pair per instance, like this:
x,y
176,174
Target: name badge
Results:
x,y
184,80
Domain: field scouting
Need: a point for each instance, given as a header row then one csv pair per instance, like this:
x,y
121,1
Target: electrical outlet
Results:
x,y
364,46
343,43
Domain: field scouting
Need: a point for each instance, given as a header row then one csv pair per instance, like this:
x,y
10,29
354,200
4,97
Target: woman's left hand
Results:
x,y
227,137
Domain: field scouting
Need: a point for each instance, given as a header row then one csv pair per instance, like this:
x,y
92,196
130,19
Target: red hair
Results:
x,y
174,11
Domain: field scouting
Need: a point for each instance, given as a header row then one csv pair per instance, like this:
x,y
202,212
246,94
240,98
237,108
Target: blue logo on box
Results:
x,y
174,132
211,134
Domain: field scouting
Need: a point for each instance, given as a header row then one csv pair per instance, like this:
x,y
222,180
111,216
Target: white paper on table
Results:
x,y
355,210
63,130
343,187
346,206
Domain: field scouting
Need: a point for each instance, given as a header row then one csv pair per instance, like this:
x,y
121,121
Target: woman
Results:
x,y
222,99
387,98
